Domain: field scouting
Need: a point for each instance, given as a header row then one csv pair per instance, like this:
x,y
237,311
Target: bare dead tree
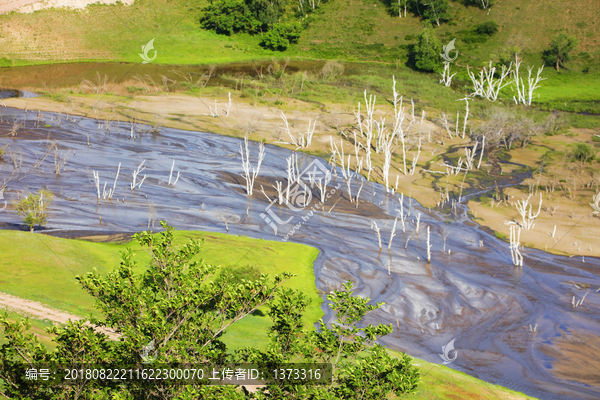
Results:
x,y
393,233
525,95
171,174
515,236
526,213
152,215
227,216
445,232
487,85
401,211
428,246
359,190
135,173
16,127
376,228
245,153
446,77
596,203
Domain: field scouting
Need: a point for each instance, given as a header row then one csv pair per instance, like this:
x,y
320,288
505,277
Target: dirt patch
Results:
x,y
37,310
118,238
29,6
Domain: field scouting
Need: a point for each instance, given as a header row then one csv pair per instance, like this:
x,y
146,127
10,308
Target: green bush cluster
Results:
x,y
227,17
583,152
5,62
480,33
280,36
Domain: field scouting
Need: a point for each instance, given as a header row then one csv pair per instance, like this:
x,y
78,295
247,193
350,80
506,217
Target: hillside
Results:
x,y
355,30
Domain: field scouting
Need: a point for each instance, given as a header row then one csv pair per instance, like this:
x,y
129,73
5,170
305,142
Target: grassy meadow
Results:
x,y
43,268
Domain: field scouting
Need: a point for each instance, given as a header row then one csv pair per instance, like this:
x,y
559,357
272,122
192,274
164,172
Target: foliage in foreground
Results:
x,y
180,306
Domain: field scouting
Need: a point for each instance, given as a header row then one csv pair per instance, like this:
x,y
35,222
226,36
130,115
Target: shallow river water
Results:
x,y
473,295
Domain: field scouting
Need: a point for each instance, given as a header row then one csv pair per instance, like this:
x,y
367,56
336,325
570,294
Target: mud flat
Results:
x,y
472,294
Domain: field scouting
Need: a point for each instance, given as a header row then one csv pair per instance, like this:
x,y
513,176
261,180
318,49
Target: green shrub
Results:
x,y
239,273
486,28
583,152
5,62
135,89
34,208
480,3
280,36
472,38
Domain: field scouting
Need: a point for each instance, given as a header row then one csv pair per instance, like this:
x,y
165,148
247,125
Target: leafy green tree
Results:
x,y
267,12
34,208
436,11
426,52
280,36
560,47
228,16
179,306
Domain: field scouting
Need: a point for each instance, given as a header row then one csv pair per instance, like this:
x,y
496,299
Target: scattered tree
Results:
x,y
560,47
427,50
34,208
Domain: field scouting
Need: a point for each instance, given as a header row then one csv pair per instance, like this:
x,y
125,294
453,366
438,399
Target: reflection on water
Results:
x,y
54,76
6,93
473,295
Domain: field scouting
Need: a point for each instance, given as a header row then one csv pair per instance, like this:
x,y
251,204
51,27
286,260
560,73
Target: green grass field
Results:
x,y
441,382
43,268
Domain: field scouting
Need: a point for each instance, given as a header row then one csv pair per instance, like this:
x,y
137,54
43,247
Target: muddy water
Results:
x,y
58,76
472,295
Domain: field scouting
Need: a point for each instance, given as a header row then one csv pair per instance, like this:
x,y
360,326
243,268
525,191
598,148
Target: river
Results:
x,y
473,295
